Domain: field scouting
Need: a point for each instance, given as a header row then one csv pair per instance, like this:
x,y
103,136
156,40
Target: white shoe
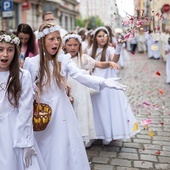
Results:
x,y
88,144
105,142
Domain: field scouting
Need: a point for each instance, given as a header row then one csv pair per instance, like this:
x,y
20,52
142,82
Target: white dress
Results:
x,y
141,42
113,116
61,143
82,100
167,48
149,43
156,46
16,130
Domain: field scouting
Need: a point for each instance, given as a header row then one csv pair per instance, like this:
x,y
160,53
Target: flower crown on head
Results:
x,y
76,36
12,39
48,31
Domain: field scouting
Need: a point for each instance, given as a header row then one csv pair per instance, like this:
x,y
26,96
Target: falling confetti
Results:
x,y
146,122
135,127
158,153
162,123
145,103
151,133
158,73
161,91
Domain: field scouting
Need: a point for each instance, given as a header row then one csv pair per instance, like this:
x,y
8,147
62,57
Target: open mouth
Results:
x,y
4,60
54,48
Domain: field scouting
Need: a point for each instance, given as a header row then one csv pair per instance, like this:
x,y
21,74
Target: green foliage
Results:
x,y
80,22
90,23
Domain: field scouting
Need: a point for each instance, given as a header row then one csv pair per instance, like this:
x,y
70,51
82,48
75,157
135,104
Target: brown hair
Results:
x,y
80,46
44,70
13,83
95,46
46,13
31,46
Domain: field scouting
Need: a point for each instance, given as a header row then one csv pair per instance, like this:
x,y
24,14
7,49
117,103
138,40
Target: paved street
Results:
x,y
149,97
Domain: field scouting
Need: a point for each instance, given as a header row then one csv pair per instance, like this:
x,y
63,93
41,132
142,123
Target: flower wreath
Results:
x,y
48,31
76,36
9,39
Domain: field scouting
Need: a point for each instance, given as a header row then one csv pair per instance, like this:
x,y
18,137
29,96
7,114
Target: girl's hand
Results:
x,y
121,40
114,65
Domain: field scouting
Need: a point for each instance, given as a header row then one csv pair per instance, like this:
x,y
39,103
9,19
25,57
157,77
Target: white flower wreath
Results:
x,y
48,31
9,39
76,36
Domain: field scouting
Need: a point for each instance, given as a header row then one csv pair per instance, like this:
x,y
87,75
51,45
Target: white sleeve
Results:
x,y
32,65
88,63
82,77
24,130
69,67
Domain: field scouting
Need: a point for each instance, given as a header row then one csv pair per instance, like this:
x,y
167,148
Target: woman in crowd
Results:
x,y
28,45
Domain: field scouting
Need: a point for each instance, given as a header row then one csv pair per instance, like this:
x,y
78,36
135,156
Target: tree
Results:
x,y
80,22
89,23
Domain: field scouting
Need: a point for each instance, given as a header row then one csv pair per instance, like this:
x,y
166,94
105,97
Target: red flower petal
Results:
x,y
161,91
158,153
158,73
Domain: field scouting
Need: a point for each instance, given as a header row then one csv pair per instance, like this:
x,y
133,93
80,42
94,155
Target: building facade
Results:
x,y
106,10
157,14
30,12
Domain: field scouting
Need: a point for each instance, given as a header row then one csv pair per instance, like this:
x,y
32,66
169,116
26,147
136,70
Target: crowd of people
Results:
x,y
76,74
154,44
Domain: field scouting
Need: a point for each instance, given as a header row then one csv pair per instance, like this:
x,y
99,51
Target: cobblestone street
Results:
x,y
149,97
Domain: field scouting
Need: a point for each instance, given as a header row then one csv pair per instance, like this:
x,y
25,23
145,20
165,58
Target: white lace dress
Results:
x,y
61,143
82,100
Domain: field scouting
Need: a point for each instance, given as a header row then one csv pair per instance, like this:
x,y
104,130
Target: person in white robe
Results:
x,y
113,116
167,53
156,46
61,143
82,101
18,150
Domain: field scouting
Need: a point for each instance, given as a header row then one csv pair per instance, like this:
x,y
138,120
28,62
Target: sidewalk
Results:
x,y
149,97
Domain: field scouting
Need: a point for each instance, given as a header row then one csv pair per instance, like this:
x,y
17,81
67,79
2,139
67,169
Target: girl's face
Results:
x,y
7,52
52,43
102,39
72,46
24,38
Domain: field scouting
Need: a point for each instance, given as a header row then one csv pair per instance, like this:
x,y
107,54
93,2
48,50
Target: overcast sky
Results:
x,y
125,5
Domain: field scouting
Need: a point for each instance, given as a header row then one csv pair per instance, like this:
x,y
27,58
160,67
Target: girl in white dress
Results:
x,y
17,149
82,101
60,143
167,53
113,116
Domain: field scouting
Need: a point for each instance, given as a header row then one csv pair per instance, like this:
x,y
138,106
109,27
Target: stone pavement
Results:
x,y
149,97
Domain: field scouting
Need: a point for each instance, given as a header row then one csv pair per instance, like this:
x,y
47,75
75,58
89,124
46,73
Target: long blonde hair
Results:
x,y
44,70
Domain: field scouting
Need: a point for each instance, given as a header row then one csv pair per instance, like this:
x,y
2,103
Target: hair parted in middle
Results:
x,y
14,86
95,44
44,70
